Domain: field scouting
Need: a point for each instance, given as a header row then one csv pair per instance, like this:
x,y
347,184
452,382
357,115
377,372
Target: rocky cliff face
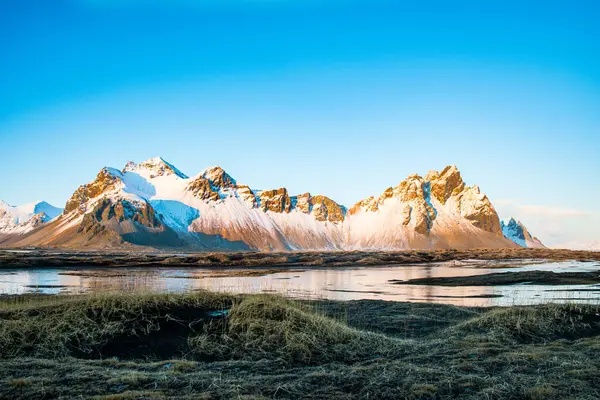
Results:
x,y
276,200
153,203
445,184
120,211
154,168
202,189
105,181
219,178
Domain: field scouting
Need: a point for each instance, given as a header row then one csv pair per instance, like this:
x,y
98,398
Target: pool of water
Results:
x,y
347,283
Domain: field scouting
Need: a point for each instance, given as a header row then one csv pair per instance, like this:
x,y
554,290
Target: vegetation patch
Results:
x,y
104,325
545,322
207,345
273,327
510,278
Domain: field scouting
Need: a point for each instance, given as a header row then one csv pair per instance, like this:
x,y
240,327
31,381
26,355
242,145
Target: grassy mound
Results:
x,y
203,326
273,327
535,324
101,325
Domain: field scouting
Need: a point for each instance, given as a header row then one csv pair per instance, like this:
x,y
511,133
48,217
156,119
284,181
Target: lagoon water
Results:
x,y
345,283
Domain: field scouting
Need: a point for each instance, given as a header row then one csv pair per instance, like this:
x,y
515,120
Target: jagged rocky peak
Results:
x,y
513,226
321,207
156,167
446,183
470,203
302,203
214,183
247,194
275,200
325,209
106,180
412,188
420,197
219,178
518,233
412,196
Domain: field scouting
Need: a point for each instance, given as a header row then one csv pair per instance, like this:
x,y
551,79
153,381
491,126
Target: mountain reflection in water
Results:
x,y
332,283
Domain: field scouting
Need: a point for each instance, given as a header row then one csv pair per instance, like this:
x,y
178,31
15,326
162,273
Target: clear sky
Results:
x,y
341,97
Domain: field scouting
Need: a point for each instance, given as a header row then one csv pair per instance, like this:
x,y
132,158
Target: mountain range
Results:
x,y
153,204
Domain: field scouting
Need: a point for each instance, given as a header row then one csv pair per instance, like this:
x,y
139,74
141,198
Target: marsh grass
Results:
x,y
541,323
271,326
57,326
207,345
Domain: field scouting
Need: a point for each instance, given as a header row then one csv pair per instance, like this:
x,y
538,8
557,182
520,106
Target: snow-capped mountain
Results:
x,y
517,232
24,218
155,204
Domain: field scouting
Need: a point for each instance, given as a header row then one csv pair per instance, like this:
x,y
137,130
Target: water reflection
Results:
x,y
332,283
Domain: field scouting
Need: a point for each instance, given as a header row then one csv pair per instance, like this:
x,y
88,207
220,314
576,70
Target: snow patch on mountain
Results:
x,y
439,211
23,218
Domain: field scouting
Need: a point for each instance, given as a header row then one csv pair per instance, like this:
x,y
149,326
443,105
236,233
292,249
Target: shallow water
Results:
x,y
332,283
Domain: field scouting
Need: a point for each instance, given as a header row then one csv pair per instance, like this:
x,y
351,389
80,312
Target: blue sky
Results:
x,y
344,98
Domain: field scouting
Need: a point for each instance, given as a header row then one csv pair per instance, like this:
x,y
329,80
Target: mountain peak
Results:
x,y
23,218
157,166
511,222
449,169
211,210
218,177
518,233
447,183
156,160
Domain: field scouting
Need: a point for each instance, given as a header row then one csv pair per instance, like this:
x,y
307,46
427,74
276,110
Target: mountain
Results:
x,y
18,220
154,204
517,232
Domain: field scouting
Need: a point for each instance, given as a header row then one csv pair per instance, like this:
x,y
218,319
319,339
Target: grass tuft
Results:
x,y
81,325
271,326
535,323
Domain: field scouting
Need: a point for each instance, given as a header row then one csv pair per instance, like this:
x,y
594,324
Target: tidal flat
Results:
x,y
464,278
36,257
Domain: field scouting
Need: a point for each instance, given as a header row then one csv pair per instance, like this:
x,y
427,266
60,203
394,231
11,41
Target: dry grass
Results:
x,y
541,323
270,326
123,258
270,347
55,326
